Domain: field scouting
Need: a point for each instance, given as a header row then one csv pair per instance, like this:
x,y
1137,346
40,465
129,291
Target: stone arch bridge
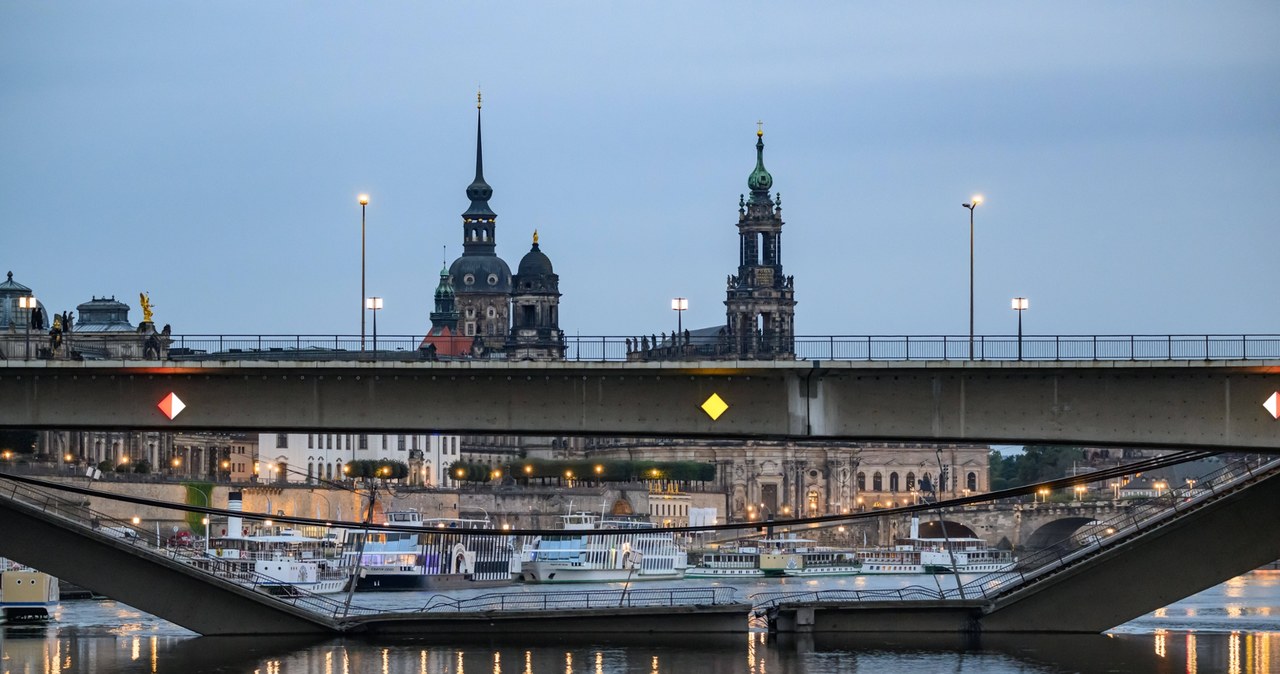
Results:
x,y
1022,526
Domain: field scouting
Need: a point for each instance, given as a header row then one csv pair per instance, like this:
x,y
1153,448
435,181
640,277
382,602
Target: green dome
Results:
x,y
760,180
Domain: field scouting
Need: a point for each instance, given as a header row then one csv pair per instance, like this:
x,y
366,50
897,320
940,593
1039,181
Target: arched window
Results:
x,y
862,481
911,481
971,482
877,482
893,481
328,471
310,471
926,482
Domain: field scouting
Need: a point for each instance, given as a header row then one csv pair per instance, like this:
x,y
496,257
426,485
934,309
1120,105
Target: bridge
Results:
x,y
1214,404
1136,556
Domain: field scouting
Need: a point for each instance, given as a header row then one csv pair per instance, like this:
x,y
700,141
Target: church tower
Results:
x,y
535,308
446,310
760,300
481,280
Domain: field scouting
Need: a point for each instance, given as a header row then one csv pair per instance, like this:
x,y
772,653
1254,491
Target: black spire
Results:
x,y
479,191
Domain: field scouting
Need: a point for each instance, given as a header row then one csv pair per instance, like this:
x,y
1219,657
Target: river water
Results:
x,y
1231,628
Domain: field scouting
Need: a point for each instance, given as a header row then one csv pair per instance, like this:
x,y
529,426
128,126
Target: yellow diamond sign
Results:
x,y
714,406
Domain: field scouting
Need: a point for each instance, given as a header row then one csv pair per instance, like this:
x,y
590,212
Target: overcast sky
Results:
x,y
211,154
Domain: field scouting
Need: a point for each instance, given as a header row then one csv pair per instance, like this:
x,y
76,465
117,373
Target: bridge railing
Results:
x,y
1142,516
1180,347
557,601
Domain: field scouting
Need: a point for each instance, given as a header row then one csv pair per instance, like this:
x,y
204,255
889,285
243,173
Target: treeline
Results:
x,y
1036,463
559,471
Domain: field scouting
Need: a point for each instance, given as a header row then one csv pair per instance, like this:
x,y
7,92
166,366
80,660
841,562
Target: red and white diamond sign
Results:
x,y
172,406
1273,405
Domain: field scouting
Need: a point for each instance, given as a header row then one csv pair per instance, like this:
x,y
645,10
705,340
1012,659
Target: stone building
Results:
x,y
484,290
793,479
99,329
760,299
311,457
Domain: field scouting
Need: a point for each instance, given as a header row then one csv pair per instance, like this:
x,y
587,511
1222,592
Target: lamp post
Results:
x,y
364,201
1020,305
679,305
973,203
29,304
374,303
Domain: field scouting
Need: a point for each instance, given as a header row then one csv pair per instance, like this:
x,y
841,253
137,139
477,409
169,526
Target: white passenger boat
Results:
x,y
444,558
787,555
26,595
279,561
594,550
741,560
949,554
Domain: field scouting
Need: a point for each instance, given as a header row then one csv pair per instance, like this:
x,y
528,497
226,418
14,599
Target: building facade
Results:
x,y
315,457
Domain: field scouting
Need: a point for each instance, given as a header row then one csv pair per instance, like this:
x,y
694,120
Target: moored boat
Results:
x,y
593,550
446,557
26,595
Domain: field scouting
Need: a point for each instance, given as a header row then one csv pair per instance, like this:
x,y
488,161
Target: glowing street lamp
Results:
x,y
1160,486
364,201
374,304
1020,305
973,203
1080,490
1044,494
679,305
28,304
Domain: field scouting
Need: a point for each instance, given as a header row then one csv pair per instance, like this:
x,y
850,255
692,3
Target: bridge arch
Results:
x,y
1056,534
953,529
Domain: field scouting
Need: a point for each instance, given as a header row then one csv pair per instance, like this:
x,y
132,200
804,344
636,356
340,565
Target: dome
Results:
x,y
760,180
535,263
480,274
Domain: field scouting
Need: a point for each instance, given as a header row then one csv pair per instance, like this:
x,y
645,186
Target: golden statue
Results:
x,y
145,300
535,237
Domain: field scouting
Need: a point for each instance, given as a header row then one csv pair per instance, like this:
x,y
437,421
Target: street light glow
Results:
x,y
363,199
977,199
1020,303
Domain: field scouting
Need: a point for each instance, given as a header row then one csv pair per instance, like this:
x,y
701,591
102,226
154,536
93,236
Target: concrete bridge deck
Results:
x,y
1201,404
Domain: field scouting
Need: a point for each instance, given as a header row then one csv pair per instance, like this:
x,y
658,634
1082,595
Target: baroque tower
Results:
x,y
481,280
535,310
760,300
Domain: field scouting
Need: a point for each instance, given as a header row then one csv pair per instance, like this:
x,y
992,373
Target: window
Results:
x,y
490,312
364,441
877,482
893,481
971,482
400,442
384,441
493,279
862,481
911,481
282,440
311,440
469,279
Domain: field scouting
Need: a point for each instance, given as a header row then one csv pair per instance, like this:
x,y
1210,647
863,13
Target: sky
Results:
x,y
211,155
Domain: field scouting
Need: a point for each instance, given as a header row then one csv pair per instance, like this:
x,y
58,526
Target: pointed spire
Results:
x,y
760,181
479,191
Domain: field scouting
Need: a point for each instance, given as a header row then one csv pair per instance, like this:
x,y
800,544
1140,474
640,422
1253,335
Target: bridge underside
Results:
x,y
1221,540
162,587
1207,405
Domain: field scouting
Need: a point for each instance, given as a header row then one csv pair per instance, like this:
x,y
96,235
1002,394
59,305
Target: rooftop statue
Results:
x,y
145,300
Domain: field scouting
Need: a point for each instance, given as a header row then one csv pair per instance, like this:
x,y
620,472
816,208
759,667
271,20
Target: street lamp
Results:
x,y
679,305
1020,305
973,203
364,201
374,303
1044,494
29,304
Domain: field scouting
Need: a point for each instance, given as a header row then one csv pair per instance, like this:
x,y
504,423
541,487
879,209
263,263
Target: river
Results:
x,y
1231,628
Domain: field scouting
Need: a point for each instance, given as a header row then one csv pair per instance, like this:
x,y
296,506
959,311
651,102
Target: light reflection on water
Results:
x,y
1228,628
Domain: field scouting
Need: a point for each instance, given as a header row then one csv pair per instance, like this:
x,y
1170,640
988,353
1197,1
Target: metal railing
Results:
x,y
1141,517
582,599
830,347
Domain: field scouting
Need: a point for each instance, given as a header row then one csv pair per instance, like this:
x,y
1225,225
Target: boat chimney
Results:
x,y
234,525
915,527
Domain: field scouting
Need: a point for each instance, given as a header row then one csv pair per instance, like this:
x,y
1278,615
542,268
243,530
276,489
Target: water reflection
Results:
x,y
1226,629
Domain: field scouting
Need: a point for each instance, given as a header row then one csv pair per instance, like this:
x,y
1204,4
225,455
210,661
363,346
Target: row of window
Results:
x,y
877,481
344,442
